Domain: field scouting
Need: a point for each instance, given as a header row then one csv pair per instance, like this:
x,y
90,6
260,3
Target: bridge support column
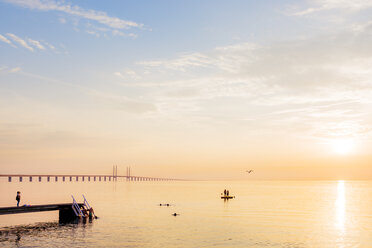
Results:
x,y
94,178
77,179
48,178
110,179
56,179
63,178
20,179
82,178
39,179
30,179
9,179
70,179
104,178
100,179
88,179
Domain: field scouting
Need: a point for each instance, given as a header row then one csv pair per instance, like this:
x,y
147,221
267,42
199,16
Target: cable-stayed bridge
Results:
x,y
85,177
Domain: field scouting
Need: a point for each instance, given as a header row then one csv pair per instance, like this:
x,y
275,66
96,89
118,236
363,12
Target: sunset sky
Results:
x,y
203,89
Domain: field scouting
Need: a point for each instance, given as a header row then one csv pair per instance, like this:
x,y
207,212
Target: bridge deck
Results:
x,y
36,208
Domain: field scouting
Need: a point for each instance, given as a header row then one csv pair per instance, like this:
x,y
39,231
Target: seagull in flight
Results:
x,y
249,171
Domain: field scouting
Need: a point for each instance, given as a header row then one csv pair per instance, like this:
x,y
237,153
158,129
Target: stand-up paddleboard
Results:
x,y
227,197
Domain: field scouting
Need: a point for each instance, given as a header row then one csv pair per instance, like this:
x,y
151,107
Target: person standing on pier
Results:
x,y
18,198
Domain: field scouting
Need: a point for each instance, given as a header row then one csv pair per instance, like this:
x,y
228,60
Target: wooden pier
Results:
x,y
66,213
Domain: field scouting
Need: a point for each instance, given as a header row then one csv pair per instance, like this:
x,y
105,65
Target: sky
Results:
x,y
187,89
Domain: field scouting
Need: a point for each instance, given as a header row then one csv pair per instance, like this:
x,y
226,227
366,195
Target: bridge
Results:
x,y
83,177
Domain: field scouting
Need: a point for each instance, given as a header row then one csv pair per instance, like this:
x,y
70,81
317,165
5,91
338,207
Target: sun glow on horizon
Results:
x,y
343,146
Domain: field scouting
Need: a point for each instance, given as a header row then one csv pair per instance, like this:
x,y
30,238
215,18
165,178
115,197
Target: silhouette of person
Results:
x,y
18,198
227,192
224,192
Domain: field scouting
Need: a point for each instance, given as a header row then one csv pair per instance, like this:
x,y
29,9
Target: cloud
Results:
x,y
74,10
118,74
6,69
62,20
120,33
4,39
50,46
227,58
124,103
20,41
325,5
36,44
297,84
127,73
184,93
15,69
30,44
93,33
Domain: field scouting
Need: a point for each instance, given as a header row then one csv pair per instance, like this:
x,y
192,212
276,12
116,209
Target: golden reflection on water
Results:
x,y
340,205
306,214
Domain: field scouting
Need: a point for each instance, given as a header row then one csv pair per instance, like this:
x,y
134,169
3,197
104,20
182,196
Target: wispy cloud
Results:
x,y
227,58
27,43
124,103
100,17
50,46
93,33
324,5
4,39
15,69
112,100
6,69
127,73
323,79
20,41
36,44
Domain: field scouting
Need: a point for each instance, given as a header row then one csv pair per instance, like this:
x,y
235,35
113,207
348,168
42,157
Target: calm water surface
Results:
x,y
263,214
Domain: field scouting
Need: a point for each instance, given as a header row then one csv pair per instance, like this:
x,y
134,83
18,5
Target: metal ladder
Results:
x,y
76,208
86,203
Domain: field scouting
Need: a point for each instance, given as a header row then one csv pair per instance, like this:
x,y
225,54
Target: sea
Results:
x,y
263,214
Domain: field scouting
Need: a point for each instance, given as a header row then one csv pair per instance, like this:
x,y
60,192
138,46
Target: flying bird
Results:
x,y
249,171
